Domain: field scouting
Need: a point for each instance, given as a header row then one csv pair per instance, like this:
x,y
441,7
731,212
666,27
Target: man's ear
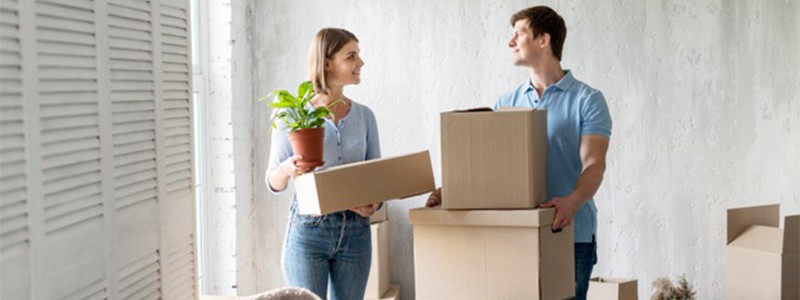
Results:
x,y
545,40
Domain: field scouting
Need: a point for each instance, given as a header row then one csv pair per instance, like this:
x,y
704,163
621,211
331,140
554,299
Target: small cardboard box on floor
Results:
x,y
762,260
605,288
378,282
362,183
393,293
491,254
494,159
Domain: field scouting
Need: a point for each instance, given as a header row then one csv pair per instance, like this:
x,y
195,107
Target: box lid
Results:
x,y
739,219
504,218
760,238
487,110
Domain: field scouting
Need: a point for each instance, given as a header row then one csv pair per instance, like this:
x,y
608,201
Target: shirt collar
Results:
x,y
564,84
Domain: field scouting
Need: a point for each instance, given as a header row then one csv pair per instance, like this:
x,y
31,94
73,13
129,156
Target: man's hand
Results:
x,y
365,211
435,198
566,207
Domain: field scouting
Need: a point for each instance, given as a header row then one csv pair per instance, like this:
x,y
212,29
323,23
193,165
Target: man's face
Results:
x,y
524,48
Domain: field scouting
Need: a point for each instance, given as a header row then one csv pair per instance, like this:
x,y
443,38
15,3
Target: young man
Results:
x,y
578,130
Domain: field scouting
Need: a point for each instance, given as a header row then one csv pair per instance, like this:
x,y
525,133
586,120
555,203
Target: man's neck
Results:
x,y
545,74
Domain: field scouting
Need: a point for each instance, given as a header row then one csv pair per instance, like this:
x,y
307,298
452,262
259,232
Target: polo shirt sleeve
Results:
x,y
595,117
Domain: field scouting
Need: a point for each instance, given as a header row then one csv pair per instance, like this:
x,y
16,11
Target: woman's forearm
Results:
x,y
278,180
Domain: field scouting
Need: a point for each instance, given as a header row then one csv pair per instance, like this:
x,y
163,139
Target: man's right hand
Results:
x,y
435,198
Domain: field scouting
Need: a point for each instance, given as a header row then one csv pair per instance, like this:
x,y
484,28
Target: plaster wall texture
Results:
x,y
703,94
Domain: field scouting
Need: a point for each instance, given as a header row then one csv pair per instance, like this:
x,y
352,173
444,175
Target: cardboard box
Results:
x,y
378,282
761,260
491,254
605,288
380,215
392,294
352,185
494,159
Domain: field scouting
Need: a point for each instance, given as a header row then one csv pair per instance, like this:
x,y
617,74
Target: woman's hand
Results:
x,y
289,167
365,211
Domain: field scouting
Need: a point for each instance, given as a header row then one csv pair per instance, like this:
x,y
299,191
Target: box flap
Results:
x,y
791,234
514,109
611,280
740,219
503,218
760,238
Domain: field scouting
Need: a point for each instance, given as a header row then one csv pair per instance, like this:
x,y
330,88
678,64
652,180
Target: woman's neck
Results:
x,y
334,94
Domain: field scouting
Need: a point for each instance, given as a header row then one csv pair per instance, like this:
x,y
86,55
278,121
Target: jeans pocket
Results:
x,y
307,220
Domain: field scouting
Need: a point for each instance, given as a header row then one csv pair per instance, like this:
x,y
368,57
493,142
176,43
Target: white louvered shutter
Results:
x,y
96,161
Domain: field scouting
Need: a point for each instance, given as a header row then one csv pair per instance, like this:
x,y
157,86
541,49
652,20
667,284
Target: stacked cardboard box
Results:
x,y
762,261
488,240
378,286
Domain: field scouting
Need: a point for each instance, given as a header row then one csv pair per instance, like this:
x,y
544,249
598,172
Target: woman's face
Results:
x,y
345,66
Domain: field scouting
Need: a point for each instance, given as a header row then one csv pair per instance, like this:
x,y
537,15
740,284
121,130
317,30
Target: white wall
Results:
x,y
704,97
220,202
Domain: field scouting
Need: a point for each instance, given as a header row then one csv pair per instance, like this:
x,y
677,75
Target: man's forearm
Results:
x,y
588,183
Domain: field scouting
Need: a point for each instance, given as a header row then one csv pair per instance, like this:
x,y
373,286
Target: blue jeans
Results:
x,y
585,259
328,253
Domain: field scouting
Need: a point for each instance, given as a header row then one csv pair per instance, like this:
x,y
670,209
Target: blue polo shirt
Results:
x,y
574,109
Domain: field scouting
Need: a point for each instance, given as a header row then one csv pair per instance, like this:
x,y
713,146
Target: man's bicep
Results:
x,y
593,149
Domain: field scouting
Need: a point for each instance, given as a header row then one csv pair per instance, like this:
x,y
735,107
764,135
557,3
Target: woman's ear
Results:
x,y
327,65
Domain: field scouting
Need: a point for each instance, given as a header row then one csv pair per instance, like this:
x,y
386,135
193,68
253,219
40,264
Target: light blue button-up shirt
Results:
x,y
354,139
574,109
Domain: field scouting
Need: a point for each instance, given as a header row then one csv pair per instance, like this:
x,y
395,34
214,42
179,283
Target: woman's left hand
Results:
x,y
365,211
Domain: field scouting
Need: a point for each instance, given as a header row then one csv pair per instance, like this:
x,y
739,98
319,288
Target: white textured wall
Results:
x,y
704,97
220,202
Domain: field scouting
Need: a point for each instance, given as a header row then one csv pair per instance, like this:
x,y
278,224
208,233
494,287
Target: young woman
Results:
x,y
330,254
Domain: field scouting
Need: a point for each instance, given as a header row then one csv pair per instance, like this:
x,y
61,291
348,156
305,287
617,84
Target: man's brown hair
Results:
x,y
543,20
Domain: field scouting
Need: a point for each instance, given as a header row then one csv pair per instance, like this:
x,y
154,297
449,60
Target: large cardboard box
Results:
x,y
761,260
378,282
392,294
606,288
362,183
494,159
491,254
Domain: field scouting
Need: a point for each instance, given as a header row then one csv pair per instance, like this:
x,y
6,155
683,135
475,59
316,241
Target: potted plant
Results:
x,y
303,121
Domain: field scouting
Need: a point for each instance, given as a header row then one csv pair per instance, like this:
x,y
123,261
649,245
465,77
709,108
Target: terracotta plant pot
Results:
x,y
308,143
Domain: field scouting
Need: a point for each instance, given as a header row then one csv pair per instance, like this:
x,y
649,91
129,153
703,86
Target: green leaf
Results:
x,y
280,105
304,89
320,112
